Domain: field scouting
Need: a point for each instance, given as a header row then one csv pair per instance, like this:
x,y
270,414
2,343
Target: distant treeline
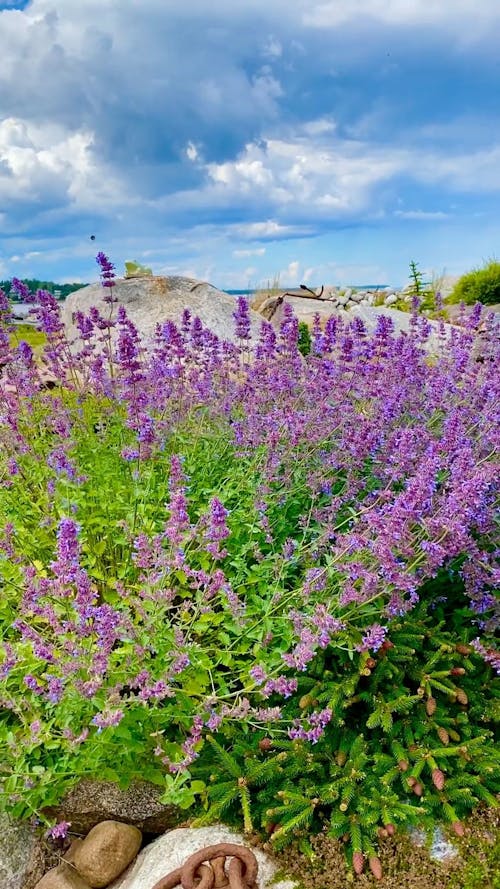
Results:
x,y
34,284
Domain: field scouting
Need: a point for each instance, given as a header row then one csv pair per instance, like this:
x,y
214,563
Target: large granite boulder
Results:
x,y
151,300
22,859
171,850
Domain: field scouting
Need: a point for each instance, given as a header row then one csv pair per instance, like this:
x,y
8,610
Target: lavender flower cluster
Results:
x,y
186,526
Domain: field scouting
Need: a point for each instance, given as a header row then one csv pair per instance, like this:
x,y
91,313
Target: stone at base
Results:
x,y
62,877
173,849
106,851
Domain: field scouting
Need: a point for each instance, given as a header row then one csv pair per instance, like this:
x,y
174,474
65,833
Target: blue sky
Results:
x,y
241,140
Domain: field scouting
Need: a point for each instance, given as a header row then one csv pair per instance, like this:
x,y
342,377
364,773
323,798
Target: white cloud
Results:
x,y
447,14
257,251
421,214
48,163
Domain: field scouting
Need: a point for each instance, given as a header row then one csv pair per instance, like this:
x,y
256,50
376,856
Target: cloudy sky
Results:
x,y
239,140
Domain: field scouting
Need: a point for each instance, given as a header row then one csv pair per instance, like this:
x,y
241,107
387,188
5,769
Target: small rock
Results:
x,y
390,300
106,851
343,300
348,292
62,877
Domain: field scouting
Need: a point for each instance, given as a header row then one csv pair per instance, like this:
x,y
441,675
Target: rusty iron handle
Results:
x,y
196,874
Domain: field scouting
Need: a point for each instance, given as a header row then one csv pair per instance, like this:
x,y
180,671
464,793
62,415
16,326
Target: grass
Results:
x,y
29,334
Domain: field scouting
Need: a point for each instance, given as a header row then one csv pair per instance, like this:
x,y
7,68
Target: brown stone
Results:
x,y
92,801
62,877
106,852
69,856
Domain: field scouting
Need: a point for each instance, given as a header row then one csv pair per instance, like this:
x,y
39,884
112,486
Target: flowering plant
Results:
x,y
190,526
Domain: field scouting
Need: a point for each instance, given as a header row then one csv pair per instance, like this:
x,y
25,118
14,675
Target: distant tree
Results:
x,y
34,284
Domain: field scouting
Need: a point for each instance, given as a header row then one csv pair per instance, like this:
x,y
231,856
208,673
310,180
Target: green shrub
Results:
x,y
305,342
410,739
480,285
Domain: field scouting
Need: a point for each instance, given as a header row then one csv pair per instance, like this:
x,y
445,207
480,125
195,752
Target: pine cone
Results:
x,y
443,736
375,867
391,830
417,788
462,697
430,706
358,863
438,778
458,828
457,671
403,765
463,649
265,744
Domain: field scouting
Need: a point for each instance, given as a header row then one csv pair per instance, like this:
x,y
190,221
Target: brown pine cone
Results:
x,y
438,778
443,736
458,828
462,697
375,867
358,863
463,649
430,706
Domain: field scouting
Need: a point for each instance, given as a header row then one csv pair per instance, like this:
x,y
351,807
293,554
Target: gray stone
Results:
x,y
91,802
172,849
106,852
391,299
348,292
152,300
19,854
359,296
343,300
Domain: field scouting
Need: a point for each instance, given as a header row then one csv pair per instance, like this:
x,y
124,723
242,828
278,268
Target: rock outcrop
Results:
x,y
152,300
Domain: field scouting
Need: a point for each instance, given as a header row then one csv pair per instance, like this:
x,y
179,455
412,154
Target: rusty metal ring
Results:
x,y
174,879
220,850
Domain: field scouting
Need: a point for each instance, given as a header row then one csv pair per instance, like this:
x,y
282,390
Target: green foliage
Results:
x,y
35,284
305,341
29,334
480,285
417,286
135,269
411,741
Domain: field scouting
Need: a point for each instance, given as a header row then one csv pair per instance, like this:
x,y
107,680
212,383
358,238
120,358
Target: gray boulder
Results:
x,y
152,300
22,862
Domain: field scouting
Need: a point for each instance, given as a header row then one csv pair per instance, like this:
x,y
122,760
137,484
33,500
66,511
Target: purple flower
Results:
x,y
107,270
59,831
373,638
258,674
242,319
